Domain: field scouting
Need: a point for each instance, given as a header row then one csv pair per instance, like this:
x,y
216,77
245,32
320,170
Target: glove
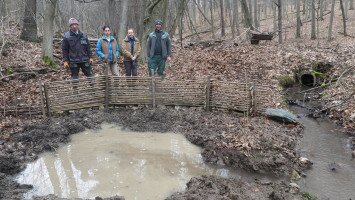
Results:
x,y
91,61
66,64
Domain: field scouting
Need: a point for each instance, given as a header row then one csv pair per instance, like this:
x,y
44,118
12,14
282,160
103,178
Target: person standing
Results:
x,y
76,51
108,51
131,49
158,49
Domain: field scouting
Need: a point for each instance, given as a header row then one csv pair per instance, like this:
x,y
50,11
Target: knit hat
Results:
x,y
73,21
158,21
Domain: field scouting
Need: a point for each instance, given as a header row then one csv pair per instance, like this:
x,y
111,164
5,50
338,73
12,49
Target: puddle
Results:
x,y
324,144
115,162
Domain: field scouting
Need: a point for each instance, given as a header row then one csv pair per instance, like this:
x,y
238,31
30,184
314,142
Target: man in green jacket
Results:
x,y
158,49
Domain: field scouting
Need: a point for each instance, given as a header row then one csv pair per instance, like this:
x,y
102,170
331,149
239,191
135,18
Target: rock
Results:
x,y
304,162
334,166
265,181
294,175
294,188
352,117
281,115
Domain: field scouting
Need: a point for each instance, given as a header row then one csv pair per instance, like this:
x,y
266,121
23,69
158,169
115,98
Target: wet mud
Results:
x,y
255,144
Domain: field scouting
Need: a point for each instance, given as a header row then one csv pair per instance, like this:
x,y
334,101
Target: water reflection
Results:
x,y
112,162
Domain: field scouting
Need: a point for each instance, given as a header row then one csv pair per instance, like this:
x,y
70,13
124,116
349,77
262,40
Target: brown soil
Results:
x,y
255,144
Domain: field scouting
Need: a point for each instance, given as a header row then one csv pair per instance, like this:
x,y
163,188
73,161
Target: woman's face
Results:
x,y
107,31
130,33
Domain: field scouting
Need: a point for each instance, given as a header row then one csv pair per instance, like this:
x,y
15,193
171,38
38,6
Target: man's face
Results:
x,y
74,27
158,27
130,33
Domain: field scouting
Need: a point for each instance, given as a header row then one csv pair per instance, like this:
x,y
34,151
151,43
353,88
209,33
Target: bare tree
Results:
x,y
212,19
330,27
256,20
180,13
247,15
313,26
29,29
48,30
298,18
223,29
279,13
343,15
123,21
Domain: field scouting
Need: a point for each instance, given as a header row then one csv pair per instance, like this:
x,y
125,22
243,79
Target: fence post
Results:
x,y
47,100
153,87
208,94
252,94
246,90
4,106
42,98
107,86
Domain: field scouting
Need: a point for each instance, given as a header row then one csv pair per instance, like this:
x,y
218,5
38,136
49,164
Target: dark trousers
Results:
x,y
131,67
156,63
75,68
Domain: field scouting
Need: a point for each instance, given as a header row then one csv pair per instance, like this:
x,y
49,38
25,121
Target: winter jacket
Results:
x,y
105,48
126,49
76,47
165,42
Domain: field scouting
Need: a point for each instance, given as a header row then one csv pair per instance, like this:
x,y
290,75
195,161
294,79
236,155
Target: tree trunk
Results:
x,y
330,29
250,6
247,15
256,20
48,28
177,20
298,18
123,21
2,8
313,26
223,29
346,8
321,9
274,12
351,5
212,19
29,30
279,7
344,17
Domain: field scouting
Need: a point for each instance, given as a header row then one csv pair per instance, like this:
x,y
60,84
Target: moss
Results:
x,y
9,70
309,196
286,81
48,61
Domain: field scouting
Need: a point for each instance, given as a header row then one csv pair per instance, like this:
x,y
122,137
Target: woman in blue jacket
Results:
x,y
107,49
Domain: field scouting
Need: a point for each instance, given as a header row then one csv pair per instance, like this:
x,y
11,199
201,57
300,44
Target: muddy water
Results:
x,y
116,162
324,144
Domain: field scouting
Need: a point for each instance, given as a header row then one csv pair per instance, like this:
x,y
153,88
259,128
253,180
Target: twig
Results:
x,y
342,74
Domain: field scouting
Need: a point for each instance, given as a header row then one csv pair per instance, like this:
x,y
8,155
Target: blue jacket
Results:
x,y
76,47
106,47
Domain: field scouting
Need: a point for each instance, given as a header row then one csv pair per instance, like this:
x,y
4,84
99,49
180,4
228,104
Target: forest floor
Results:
x,y
256,144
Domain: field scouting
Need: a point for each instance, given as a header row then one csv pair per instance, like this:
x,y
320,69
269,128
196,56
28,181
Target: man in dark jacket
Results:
x,y
158,49
76,50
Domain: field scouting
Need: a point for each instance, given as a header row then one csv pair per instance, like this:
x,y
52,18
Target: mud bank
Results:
x,y
255,144
217,188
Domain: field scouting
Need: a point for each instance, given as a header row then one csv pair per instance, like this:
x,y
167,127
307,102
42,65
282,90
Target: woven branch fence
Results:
x,y
60,96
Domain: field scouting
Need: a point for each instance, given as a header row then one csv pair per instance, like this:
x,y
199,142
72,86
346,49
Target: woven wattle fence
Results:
x,y
107,91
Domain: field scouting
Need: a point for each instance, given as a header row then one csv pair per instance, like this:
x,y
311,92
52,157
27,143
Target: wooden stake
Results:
x,y
47,100
42,99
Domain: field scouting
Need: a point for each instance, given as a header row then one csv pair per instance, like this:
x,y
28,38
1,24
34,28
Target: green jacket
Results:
x,y
166,44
